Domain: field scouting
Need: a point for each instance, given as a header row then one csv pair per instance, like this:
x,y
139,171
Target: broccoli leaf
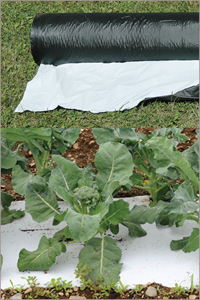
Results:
x,y
141,214
193,242
108,190
165,153
188,244
42,258
63,233
104,135
40,202
192,155
86,179
135,230
64,178
101,208
125,135
114,228
82,226
183,201
9,157
20,179
6,199
108,161
7,216
118,211
179,244
102,255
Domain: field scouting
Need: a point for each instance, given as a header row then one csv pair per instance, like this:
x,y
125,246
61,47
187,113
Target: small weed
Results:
x,y
31,281
14,287
50,294
179,289
138,288
20,288
101,289
59,285
192,284
163,291
40,292
121,289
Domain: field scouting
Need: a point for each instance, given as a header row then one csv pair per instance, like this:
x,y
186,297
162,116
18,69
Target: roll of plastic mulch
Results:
x,y
114,37
110,62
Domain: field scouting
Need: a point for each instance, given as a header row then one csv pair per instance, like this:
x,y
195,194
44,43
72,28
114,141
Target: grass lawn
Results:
x,y
18,67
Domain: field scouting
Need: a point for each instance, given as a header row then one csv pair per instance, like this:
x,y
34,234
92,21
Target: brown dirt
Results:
x,y
163,292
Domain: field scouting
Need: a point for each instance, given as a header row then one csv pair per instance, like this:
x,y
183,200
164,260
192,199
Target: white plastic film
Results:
x,y
101,87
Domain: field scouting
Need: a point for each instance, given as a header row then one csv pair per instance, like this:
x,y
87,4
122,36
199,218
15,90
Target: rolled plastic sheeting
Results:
x,y
114,37
108,62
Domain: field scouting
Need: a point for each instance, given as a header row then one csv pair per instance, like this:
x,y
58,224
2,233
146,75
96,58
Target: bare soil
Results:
x,y
83,152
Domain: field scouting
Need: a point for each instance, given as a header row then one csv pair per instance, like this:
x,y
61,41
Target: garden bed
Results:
x,y
147,261
147,264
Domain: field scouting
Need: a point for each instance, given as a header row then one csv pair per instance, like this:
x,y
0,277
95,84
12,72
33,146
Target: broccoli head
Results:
x,y
87,195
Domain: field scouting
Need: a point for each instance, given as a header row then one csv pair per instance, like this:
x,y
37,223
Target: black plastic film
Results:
x,y
191,93
114,37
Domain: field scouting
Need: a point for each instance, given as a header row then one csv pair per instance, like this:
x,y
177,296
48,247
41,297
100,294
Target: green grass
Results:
x,y
18,67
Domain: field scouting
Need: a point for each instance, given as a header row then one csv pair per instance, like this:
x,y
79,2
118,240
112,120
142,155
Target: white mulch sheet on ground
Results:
x,y
100,87
145,259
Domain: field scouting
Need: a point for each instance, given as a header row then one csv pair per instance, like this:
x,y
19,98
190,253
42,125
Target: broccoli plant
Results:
x,y
91,211
41,142
157,157
10,158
